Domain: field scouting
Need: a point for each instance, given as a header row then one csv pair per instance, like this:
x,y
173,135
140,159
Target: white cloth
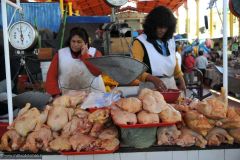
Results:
x,y
160,65
74,74
201,62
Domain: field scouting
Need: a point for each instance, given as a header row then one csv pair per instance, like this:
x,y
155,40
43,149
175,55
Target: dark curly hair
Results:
x,y
81,32
159,17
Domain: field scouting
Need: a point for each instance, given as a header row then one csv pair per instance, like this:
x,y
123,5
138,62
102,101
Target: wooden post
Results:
x,y
61,6
70,8
77,13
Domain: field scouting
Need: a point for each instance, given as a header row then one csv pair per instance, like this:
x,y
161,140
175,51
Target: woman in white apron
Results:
x,y
69,69
156,48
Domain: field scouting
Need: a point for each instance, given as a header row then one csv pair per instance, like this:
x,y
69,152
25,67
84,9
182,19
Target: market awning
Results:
x,y
100,7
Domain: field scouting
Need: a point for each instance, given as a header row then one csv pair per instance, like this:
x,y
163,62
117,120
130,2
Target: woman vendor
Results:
x,y
69,69
156,48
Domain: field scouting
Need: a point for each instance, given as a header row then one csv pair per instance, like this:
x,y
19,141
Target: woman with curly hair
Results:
x,y
156,48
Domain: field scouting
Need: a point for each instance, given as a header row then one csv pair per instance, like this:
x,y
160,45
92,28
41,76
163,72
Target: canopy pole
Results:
x,y
7,60
225,56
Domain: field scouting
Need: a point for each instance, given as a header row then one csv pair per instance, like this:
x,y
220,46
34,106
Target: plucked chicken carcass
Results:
x,y
38,139
132,104
81,142
76,97
96,129
168,135
11,141
123,117
170,115
27,119
62,101
235,133
181,108
99,116
153,101
213,108
190,138
109,133
145,117
197,122
59,116
82,125
217,136
107,144
60,144
232,121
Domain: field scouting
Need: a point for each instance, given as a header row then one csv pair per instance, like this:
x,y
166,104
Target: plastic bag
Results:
x,y
99,100
139,137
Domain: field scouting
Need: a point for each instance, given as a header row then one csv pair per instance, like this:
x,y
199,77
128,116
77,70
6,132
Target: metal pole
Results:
x,y
7,60
225,56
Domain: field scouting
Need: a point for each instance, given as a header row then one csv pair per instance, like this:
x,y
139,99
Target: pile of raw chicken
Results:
x,y
147,108
208,122
62,126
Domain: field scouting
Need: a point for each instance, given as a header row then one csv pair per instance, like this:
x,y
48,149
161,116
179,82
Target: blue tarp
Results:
x,y
88,19
47,15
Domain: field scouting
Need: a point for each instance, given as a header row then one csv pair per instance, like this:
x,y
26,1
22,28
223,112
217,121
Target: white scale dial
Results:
x,y
22,35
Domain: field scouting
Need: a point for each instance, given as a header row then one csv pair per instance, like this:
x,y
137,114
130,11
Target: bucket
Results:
x,y
44,69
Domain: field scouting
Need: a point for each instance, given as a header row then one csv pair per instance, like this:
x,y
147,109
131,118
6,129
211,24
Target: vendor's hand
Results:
x,y
182,85
84,49
158,83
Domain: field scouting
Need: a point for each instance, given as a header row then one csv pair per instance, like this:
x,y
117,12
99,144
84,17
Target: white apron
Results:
x,y
73,74
162,66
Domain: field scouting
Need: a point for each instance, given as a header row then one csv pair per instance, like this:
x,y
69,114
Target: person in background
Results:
x,y
201,62
179,56
69,69
188,65
156,48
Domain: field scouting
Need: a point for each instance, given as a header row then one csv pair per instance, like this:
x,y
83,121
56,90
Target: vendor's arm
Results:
x,y
51,85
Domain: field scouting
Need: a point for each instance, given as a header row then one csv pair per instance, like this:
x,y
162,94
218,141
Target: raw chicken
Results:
x,y
168,135
232,121
109,133
132,104
170,115
62,101
153,101
96,129
181,108
197,122
217,136
11,141
122,117
82,125
190,138
27,120
60,144
38,139
99,116
81,142
76,97
213,108
109,144
235,133
58,117
80,113
145,117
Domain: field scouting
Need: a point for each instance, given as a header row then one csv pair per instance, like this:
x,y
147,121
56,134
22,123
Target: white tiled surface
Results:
x,y
159,155
228,154
133,156
179,155
211,155
232,154
192,155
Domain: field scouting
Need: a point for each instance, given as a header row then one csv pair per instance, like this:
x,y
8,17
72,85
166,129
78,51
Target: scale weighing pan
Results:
x,y
122,69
